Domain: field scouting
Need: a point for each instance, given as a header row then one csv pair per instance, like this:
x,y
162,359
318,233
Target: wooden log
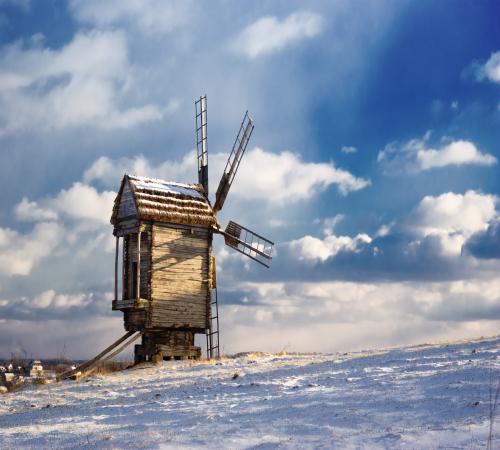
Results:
x,y
93,367
96,358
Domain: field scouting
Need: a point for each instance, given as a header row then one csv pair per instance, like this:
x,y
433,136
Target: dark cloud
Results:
x,y
395,257
485,244
49,305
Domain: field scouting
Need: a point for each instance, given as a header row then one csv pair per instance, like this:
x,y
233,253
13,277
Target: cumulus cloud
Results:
x,y
149,16
84,202
84,82
277,177
284,177
313,249
456,153
426,244
31,211
416,156
453,217
489,70
310,248
72,225
269,34
20,252
80,201
109,172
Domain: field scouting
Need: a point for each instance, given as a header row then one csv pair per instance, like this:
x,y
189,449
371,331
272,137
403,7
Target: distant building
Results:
x,y
36,369
6,378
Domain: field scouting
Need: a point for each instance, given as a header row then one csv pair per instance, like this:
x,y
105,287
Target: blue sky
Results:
x,y
373,165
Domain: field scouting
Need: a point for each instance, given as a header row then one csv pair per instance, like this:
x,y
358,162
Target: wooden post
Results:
x,y
117,249
138,296
125,278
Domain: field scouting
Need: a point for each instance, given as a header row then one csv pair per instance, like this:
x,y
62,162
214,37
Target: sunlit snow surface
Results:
x,y
433,396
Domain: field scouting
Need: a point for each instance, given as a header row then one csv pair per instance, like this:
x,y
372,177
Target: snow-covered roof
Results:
x,y
166,201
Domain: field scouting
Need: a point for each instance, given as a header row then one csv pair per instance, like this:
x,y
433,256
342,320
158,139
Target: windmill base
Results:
x,y
162,345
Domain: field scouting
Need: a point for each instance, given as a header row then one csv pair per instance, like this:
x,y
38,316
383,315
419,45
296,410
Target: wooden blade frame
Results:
x,y
233,162
249,243
201,141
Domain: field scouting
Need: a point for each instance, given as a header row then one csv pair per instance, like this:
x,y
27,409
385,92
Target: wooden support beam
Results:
x,y
125,279
93,367
138,294
117,250
95,359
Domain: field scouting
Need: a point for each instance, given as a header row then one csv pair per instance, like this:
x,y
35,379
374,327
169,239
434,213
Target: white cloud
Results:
x,y
269,34
360,315
453,217
309,248
84,202
329,223
434,231
276,177
284,177
56,304
109,172
415,155
490,70
456,153
80,202
150,16
82,83
20,252
30,211
348,149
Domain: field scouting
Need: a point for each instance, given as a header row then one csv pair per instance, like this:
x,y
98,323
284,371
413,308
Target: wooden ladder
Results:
x,y
213,343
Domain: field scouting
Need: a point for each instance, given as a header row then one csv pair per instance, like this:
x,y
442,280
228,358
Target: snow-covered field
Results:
x,y
429,396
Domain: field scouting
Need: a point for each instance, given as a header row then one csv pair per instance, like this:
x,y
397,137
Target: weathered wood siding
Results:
x,y
134,320
127,206
127,220
180,295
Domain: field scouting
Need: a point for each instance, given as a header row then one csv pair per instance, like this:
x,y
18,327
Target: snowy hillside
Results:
x,y
429,396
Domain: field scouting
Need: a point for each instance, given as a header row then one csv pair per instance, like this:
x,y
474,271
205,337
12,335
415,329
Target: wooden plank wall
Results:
x,y
127,206
179,277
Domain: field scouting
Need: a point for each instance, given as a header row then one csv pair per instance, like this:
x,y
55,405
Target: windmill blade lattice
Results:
x,y
233,162
201,141
249,243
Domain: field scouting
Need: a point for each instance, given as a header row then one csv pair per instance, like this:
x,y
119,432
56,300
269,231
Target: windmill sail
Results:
x,y
249,243
201,141
233,162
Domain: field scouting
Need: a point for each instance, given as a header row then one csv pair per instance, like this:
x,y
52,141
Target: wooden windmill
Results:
x,y
169,288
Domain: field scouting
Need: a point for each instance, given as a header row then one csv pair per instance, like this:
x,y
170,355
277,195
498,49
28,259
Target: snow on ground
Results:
x,y
429,396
